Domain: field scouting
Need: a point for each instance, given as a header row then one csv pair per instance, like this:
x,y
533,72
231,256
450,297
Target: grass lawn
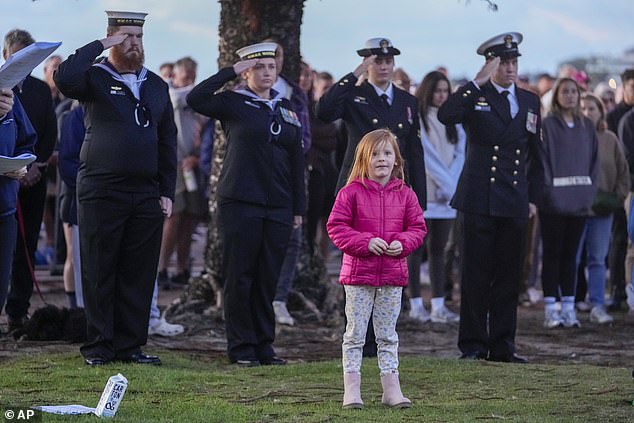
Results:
x,y
193,389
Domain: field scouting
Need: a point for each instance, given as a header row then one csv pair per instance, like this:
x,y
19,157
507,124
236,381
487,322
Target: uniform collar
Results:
x,y
500,88
389,91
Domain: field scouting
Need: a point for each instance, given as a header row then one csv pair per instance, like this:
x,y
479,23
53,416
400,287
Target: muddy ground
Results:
x,y
310,340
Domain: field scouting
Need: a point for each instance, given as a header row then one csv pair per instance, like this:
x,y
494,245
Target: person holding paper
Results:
x,y
125,186
35,97
17,136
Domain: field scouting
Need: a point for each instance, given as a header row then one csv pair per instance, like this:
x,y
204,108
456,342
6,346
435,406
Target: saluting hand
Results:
x,y
363,67
113,40
377,246
487,70
395,248
243,65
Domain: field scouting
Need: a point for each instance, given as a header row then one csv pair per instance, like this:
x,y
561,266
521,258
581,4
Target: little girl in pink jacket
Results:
x,y
377,222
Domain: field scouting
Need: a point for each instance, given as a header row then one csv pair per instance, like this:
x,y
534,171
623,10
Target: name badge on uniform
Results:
x,y
531,122
116,90
7,121
482,105
290,116
360,100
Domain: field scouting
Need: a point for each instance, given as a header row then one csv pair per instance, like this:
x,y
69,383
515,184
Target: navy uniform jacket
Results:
x,y
259,167
130,144
502,167
363,111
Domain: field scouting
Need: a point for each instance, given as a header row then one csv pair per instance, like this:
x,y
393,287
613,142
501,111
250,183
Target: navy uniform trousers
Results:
x,y
491,272
120,238
254,240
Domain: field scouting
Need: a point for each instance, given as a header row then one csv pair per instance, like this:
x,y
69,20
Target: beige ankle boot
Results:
x,y
352,391
392,395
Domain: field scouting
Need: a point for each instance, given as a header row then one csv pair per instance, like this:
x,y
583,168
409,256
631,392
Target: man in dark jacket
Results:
x,y
125,186
35,96
377,103
502,125
17,136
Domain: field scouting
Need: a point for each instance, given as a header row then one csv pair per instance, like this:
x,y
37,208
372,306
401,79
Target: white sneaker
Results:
x,y
419,313
552,319
444,315
282,316
599,315
534,295
583,306
569,319
629,292
163,328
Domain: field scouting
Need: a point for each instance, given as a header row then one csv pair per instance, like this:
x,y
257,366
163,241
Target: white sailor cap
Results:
x,y
503,46
257,51
119,18
379,46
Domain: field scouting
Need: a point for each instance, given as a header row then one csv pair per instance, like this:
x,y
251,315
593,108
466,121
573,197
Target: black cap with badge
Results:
x,y
503,46
378,46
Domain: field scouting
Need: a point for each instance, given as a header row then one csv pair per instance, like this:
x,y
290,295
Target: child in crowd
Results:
x,y
377,222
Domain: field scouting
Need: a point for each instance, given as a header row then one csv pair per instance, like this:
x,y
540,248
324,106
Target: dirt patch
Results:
x,y
311,340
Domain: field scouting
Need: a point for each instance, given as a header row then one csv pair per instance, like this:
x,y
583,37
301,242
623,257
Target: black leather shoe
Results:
x,y
141,358
513,358
273,361
96,361
17,323
246,363
472,355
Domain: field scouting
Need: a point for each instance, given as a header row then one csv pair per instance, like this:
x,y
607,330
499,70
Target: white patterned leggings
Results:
x,y
385,305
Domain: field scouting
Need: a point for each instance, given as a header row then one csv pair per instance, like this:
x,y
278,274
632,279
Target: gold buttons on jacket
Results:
x,y
518,152
345,80
494,158
342,83
400,126
496,148
375,121
493,168
515,173
514,182
517,162
492,179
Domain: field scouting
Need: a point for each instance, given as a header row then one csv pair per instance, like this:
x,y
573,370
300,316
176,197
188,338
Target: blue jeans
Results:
x,y
287,273
597,240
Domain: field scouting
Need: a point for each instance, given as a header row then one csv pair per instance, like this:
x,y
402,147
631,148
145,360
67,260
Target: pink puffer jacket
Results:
x,y
363,212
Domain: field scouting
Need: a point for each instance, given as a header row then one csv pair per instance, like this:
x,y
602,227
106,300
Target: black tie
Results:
x,y
507,104
384,98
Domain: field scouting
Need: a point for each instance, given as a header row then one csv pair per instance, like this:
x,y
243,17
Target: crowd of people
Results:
x,y
502,176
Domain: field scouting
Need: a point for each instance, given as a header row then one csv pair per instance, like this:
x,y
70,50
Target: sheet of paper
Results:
x,y
65,409
9,164
22,62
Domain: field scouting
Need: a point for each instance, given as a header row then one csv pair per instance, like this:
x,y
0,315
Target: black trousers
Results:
x,y
120,238
32,207
492,264
8,229
561,236
254,240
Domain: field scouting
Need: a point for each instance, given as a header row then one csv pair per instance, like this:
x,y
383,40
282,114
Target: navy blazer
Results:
x,y
363,111
502,170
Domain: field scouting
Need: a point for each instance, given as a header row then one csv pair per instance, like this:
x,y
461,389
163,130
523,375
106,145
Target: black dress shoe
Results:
x,y
17,323
141,358
473,355
273,361
512,358
96,360
246,363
